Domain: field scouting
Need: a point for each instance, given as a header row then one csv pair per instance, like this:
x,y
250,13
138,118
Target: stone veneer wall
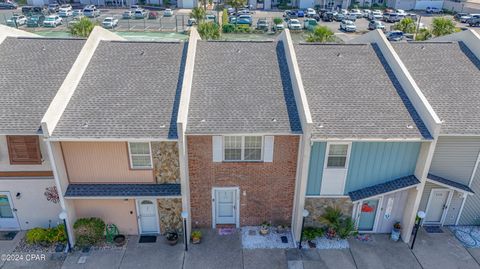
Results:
x,y
166,168
316,207
169,212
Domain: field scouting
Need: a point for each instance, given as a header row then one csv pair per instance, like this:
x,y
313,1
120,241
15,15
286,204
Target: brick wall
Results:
x,y
266,189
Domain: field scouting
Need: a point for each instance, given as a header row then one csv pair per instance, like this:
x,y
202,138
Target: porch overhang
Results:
x,y
450,184
395,185
121,191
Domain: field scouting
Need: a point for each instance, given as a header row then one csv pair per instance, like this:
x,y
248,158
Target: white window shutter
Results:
x,y
217,148
268,149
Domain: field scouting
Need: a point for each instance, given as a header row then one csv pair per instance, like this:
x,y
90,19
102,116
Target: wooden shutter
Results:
x,y
24,149
268,149
217,148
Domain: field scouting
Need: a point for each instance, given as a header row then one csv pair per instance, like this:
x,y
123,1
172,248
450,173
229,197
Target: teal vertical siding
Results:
x,y
373,163
315,170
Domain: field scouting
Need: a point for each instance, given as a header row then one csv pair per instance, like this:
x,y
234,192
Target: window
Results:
x,y
243,148
140,156
24,149
337,155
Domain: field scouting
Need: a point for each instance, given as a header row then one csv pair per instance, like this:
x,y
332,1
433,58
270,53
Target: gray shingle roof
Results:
x,y
31,72
122,190
382,188
449,76
129,90
353,93
450,183
241,87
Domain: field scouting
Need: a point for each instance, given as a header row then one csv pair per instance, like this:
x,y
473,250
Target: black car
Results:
x,y
327,16
29,10
35,20
316,17
8,5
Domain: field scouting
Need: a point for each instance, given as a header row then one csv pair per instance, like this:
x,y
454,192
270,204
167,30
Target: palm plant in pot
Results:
x,y
172,237
265,228
196,237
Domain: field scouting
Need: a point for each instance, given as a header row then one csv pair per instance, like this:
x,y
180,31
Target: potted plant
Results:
x,y
119,240
265,228
282,229
196,237
172,237
310,234
397,227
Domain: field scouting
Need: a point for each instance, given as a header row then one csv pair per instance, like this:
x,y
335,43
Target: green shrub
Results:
x,y
46,236
228,28
346,228
243,28
209,30
310,233
224,17
36,236
89,231
277,20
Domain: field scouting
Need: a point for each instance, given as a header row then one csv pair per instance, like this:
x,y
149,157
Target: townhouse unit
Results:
x,y
112,131
28,196
448,73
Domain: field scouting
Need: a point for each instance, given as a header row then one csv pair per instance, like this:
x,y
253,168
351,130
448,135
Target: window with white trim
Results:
x,y
242,148
337,155
140,155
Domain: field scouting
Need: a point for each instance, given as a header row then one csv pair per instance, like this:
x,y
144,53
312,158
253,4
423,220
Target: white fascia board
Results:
x,y
418,99
470,37
245,134
459,135
448,186
6,31
65,93
370,139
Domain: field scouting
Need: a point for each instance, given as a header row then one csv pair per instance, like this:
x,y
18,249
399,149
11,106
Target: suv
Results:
x,y
35,20
327,16
91,11
8,5
53,8
432,10
262,24
474,20
17,20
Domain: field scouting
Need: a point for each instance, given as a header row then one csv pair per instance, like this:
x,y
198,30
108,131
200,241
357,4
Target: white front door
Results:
x,y
8,218
437,206
225,205
147,216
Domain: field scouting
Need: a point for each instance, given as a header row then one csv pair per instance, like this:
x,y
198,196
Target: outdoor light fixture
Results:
x,y
185,239
421,215
63,216
305,214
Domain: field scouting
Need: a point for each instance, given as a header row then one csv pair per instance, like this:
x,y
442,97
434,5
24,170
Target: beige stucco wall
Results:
x,y
101,162
5,159
118,211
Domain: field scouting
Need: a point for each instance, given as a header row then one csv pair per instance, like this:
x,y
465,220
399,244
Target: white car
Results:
x,y
294,24
140,13
366,13
375,15
52,21
167,13
17,20
67,6
356,12
311,12
91,12
65,12
348,26
109,22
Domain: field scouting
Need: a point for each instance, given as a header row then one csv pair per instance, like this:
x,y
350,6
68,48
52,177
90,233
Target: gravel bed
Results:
x,y
325,243
252,239
23,247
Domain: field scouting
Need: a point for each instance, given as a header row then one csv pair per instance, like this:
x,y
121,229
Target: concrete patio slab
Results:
x,y
156,255
325,258
215,251
96,259
51,261
442,250
475,252
382,252
264,258
7,246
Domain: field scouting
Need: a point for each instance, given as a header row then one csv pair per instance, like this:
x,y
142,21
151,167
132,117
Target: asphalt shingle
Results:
x,y
449,76
353,93
129,90
122,190
450,183
378,189
241,87
31,72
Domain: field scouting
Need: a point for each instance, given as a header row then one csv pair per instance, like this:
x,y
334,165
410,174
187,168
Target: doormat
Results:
x,y
8,235
147,239
284,239
433,229
226,231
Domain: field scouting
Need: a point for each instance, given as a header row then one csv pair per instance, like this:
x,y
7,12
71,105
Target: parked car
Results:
x,y
109,22
300,13
348,26
244,19
400,11
91,11
278,27
232,19
294,24
338,16
373,25
351,17
462,17
53,8
65,12
356,12
77,12
244,11
66,6
135,7
127,14
52,21
167,13
395,36
231,11
474,20
140,13
311,12
152,15
309,23
433,10
17,20
375,15
327,16
191,22
366,13
394,17
8,5
262,24
211,18
35,20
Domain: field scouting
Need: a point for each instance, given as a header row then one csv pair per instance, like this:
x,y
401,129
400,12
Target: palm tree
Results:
x,y
442,26
236,4
321,34
82,28
423,34
198,14
209,30
406,25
